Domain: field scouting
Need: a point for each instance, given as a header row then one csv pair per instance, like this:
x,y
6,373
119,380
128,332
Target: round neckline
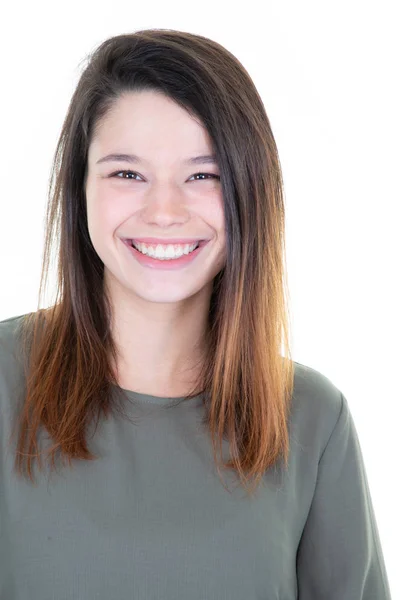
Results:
x,y
160,400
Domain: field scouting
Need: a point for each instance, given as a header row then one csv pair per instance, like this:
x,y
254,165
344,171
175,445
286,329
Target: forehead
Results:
x,y
149,123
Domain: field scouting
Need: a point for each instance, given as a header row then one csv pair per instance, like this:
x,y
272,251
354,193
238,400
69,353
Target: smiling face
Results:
x,y
159,194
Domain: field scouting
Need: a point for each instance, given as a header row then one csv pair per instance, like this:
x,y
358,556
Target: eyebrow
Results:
x,y
132,158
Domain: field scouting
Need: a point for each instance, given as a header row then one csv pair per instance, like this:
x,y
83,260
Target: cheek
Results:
x,y
212,211
105,213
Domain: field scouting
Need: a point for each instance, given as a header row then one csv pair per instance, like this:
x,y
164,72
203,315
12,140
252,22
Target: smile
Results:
x,y
168,257
164,252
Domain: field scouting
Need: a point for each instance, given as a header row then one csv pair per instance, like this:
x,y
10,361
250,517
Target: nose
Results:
x,y
164,204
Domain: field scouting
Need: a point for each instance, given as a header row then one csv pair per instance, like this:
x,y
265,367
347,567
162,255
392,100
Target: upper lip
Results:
x,y
152,240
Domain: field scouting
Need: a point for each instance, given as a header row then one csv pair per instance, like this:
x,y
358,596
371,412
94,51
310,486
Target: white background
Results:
x,y
328,74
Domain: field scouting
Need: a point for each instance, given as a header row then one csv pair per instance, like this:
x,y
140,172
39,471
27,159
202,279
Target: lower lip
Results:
x,y
167,265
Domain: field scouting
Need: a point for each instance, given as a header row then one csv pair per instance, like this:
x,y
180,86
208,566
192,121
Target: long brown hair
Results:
x,y
247,383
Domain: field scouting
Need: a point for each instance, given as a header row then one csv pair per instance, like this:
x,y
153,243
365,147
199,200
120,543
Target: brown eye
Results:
x,y
118,173
212,175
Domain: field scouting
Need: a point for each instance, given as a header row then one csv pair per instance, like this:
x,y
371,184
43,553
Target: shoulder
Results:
x,y
9,326
11,362
317,404
9,337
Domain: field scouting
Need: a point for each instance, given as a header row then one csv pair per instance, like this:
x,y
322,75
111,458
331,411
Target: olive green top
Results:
x,y
149,519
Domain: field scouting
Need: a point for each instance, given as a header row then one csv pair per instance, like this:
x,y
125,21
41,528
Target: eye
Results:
x,y
117,174
212,175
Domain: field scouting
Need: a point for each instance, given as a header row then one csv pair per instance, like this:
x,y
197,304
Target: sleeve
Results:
x,y
339,556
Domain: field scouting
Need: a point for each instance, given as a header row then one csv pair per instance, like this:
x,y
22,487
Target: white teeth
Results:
x,y
166,252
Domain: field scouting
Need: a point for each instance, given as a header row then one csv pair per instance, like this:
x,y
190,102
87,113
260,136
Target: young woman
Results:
x,y
159,361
